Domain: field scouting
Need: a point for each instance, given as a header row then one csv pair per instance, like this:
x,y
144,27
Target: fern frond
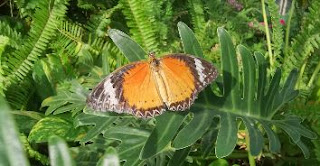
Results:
x,y
164,15
43,27
99,23
94,4
277,31
4,40
304,44
70,37
141,21
14,36
76,42
197,16
18,95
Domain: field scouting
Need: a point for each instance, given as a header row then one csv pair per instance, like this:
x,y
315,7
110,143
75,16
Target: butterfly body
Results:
x,y
147,88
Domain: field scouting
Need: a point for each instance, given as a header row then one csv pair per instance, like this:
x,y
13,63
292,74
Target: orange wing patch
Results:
x,y
180,83
140,92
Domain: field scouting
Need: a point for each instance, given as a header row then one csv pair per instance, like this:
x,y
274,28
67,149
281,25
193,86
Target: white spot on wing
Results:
x,y
110,92
200,69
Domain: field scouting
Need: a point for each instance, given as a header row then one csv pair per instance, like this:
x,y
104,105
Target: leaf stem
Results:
x,y
314,74
267,33
252,162
303,67
288,29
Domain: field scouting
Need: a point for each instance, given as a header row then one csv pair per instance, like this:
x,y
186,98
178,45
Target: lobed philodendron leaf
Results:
x,y
254,105
100,124
132,140
247,95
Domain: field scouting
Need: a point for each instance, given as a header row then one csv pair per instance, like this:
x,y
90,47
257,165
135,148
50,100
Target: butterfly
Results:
x,y
150,87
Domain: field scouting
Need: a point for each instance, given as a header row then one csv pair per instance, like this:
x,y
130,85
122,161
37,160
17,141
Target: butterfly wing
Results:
x,y
130,89
185,76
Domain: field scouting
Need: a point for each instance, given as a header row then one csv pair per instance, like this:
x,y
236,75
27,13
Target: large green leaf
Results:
x,y
252,99
253,105
11,150
200,123
100,124
127,46
179,157
49,126
47,73
59,152
26,119
247,95
132,141
69,99
162,134
190,43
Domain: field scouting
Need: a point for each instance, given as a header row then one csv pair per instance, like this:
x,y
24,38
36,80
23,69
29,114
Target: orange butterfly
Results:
x,y
147,88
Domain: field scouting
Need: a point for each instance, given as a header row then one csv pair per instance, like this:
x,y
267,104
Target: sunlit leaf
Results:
x,y
50,126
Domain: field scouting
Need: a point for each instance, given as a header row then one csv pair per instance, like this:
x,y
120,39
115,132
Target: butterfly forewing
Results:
x,y
131,89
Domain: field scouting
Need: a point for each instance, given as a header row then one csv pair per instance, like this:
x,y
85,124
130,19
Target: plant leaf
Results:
x,y
100,124
73,99
179,157
166,127
127,46
11,151
59,152
132,141
189,41
49,126
199,124
110,157
227,135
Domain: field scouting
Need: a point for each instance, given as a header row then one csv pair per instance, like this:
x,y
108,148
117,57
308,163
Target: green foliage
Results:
x,y
70,98
45,20
132,141
141,21
49,126
277,31
301,53
13,36
100,124
52,54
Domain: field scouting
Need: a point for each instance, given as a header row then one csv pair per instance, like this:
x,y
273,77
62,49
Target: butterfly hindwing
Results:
x,y
186,76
